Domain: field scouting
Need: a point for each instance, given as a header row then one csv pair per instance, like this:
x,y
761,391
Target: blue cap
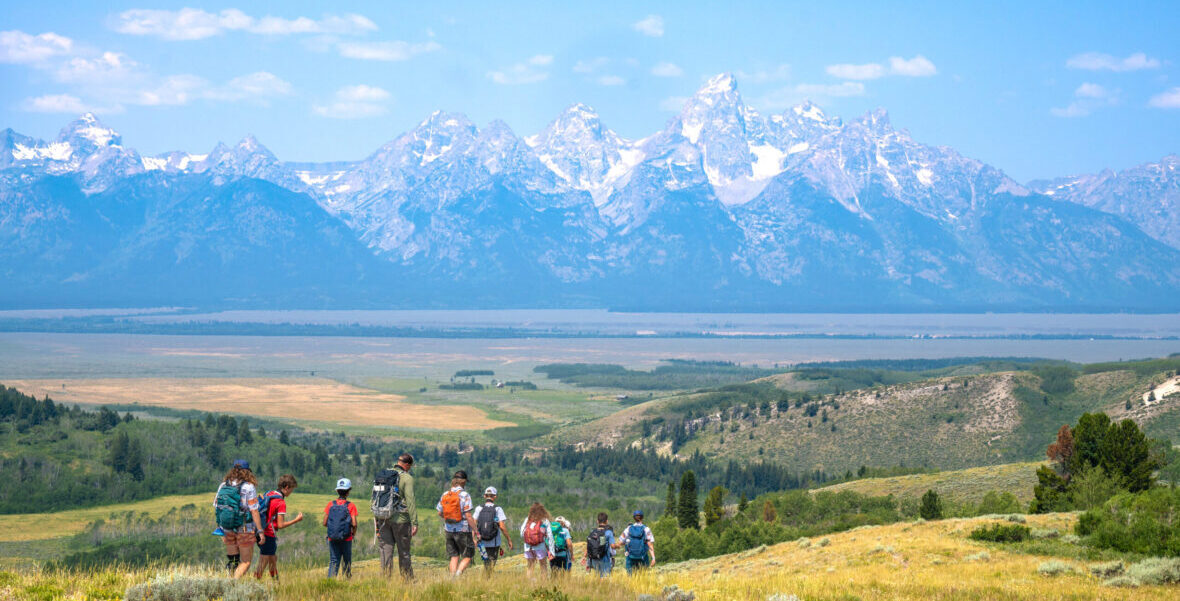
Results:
x,y
344,484
242,463
638,513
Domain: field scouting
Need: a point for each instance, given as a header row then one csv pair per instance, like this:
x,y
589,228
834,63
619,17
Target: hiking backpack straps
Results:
x,y
596,544
452,507
387,494
534,534
227,506
264,507
486,523
339,520
637,541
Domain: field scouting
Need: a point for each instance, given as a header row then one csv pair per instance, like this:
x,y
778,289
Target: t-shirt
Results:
x,y
249,500
464,506
351,510
277,507
545,527
500,519
565,534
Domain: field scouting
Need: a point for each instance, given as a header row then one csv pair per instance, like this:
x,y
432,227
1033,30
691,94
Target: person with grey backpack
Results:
x,y
395,515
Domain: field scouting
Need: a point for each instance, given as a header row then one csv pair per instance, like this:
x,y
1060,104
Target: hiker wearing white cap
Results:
x,y
561,545
492,526
340,520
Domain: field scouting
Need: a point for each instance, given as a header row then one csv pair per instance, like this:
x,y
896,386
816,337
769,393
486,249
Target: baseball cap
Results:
x,y
461,474
242,463
638,513
489,491
344,484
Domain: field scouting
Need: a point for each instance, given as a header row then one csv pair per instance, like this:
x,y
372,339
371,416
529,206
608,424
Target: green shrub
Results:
x,y
1146,522
981,556
1001,533
1155,571
185,587
1039,534
1107,570
1054,568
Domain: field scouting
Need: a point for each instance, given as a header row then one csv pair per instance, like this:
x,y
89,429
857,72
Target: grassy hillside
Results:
x,y
904,561
958,486
879,418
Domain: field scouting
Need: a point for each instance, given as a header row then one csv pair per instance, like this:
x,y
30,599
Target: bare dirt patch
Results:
x,y
310,399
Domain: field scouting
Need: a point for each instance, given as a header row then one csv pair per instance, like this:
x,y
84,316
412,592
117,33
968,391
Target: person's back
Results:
x,y
639,544
600,545
492,529
395,533
340,521
560,530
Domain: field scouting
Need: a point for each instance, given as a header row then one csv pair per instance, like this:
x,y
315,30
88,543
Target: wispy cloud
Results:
x,y
1168,99
355,102
196,24
667,70
591,65
849,71
651,25
391,51
611,80
529,71
257,87
23,48
919,66
1087,98
55,103
789,96
1098,61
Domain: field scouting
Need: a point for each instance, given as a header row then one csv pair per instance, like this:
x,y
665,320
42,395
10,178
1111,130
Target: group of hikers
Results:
x,y
246,518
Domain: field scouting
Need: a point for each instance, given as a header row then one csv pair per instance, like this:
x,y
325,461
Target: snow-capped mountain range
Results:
x,y
724,208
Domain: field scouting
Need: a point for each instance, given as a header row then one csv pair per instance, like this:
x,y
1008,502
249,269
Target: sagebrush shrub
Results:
x,y
1109,569
1155,571
186,587
1054,568
1001,533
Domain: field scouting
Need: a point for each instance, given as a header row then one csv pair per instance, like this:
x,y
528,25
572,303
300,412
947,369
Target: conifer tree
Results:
x,y
687,514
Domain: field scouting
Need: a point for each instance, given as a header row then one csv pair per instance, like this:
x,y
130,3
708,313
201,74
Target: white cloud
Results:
x,y
257,87
919,66
196,24
355,102
667,70
673,104
591,65
651,25
1087,98
20,47
611,80
541,60
55,103
1098,61
789,96
173,90
1168,99
106,69
529,71
778,73
385,51
848,71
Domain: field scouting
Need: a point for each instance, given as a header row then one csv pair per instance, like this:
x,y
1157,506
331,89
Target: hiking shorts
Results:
x,y
536,552
270,547
459,544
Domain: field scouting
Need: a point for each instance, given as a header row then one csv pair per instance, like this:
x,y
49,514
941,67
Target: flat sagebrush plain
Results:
x,y
304,399
906,561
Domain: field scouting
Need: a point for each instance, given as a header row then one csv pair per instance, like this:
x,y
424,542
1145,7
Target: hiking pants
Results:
x,y
339,558
602,566
395,538
637,563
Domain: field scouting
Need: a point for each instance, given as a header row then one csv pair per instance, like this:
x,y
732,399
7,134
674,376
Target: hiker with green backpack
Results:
x,y
235,507
560,528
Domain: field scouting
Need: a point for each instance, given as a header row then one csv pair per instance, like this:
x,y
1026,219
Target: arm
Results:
x,y
411,503
504,531
283,523
549,540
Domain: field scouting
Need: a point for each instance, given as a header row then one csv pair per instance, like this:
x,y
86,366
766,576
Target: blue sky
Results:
x,y
1038,89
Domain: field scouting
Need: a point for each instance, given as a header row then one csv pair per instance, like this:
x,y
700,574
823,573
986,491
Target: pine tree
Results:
x,y
715,505
120,449
931,508
284,438
687,514
743,503
670,503
769,514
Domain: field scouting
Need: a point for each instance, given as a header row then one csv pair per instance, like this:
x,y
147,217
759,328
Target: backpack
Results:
x,y
452,507
486,523
596,544
387,495
637,541
534,534
264,507
227,506
339,520
559,542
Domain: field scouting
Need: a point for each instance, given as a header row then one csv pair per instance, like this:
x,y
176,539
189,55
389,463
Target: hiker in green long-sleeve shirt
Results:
x,y
396,531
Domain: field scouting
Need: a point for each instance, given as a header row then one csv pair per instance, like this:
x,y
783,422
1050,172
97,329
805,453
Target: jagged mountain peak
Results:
x,y
88,130
722,83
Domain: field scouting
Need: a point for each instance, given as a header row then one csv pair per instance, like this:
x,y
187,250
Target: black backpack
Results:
x,y
387,495
488,528
596,544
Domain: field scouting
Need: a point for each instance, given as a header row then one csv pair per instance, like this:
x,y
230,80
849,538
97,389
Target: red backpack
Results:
x,y
534,533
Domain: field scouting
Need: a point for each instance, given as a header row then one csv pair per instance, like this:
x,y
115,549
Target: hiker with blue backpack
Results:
x,y
600,548
273,509
235,507
639,544
340,520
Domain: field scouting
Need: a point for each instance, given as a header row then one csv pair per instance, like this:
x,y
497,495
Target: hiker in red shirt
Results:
x,y
273,511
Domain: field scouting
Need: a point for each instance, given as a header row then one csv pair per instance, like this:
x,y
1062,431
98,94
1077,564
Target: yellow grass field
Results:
x,y
904,562
305,399
961,486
